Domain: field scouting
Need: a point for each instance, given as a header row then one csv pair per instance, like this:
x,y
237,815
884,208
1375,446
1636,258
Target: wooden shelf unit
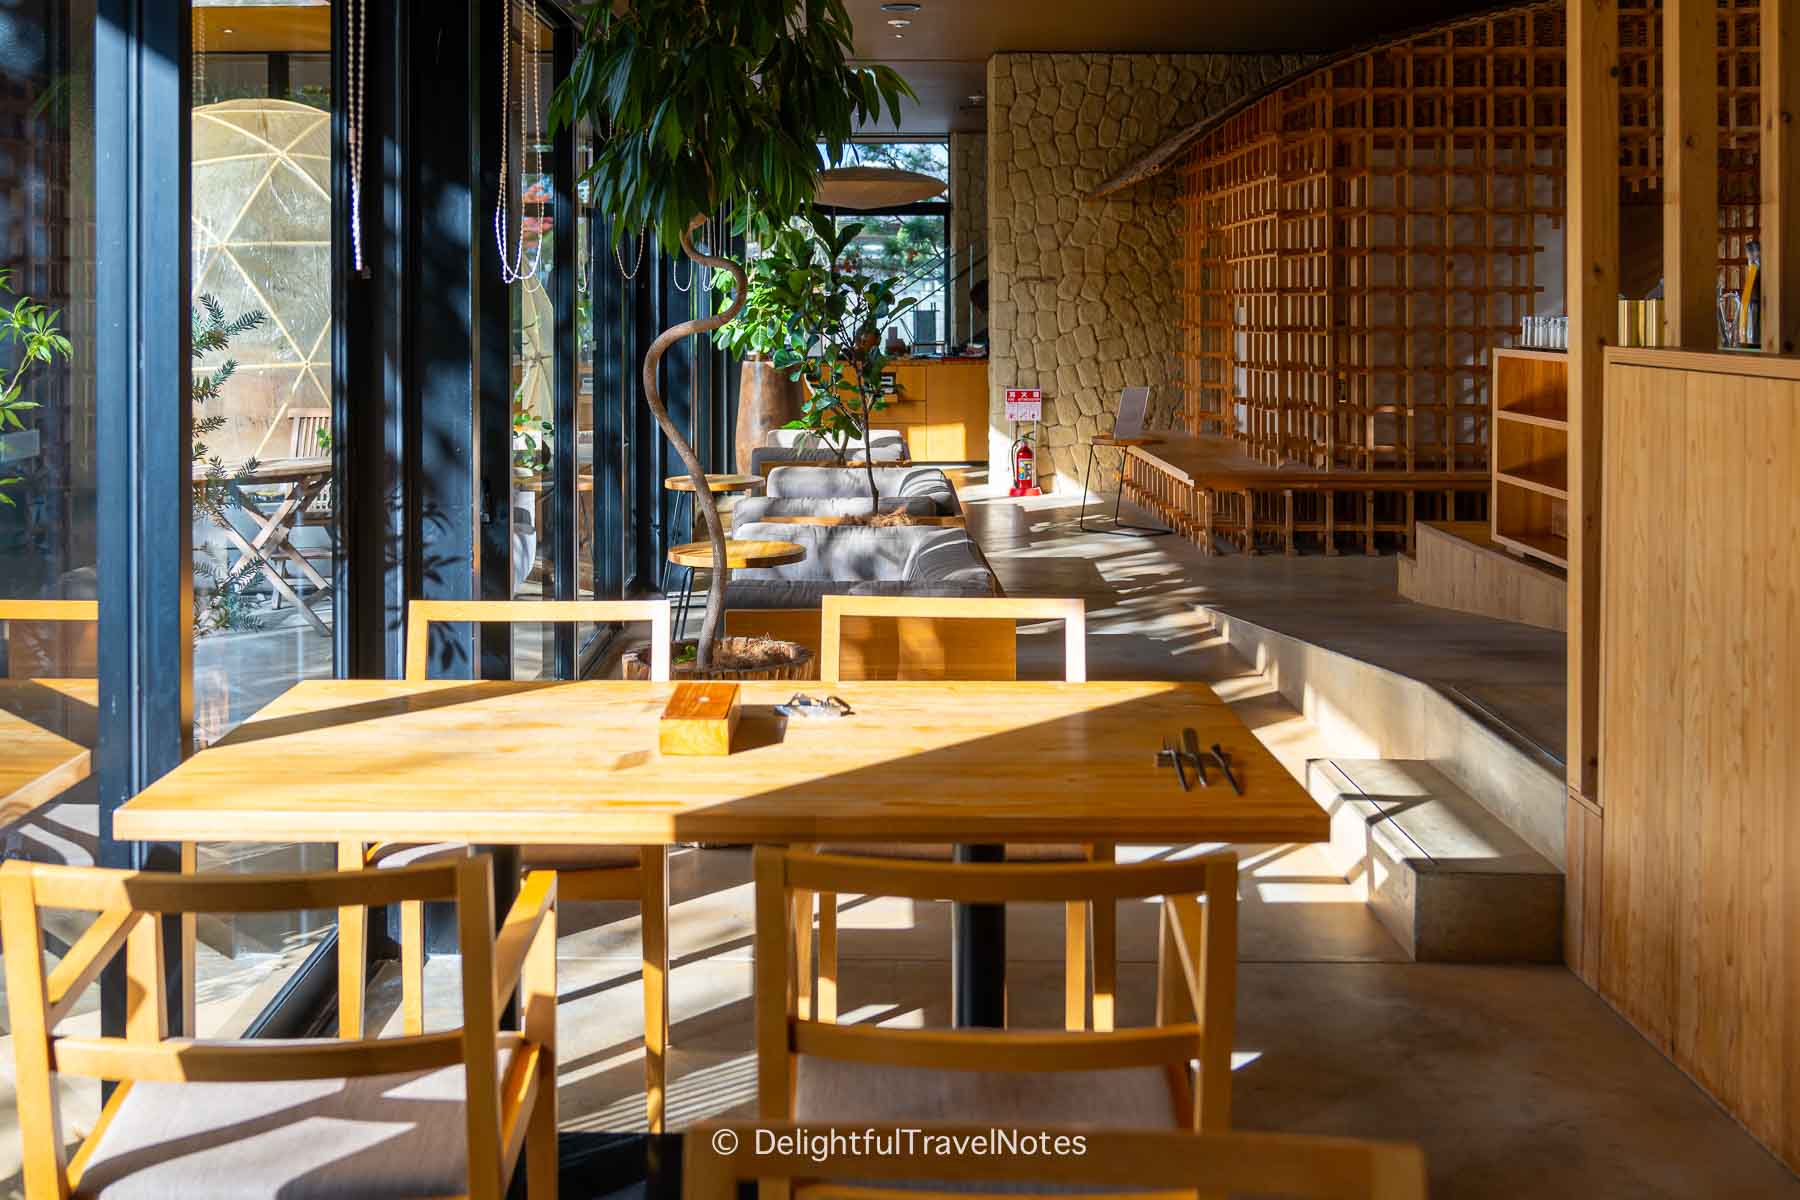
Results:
x,y
1528,511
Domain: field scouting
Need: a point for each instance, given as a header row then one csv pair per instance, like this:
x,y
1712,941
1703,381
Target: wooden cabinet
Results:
x,y
941,408
1528,448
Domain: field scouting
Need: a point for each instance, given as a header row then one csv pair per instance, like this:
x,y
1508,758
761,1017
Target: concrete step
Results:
x,y
1446,877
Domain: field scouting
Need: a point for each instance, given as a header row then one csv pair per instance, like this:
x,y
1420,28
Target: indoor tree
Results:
x,y
709,104
33,329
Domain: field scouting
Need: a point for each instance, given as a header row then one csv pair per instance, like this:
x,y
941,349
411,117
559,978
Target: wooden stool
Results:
x,y
1118,526
699,555
683,487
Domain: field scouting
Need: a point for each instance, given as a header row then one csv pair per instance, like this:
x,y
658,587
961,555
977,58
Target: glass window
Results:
x,y
911,247
264,533
530,252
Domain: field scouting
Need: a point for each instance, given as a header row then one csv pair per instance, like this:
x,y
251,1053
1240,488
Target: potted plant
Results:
x,y
710,105
837,312
33,327
768,398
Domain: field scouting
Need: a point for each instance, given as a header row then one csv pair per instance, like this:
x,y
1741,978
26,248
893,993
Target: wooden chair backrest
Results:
x,y
720,1155
47,623
129,904
1197,999
940,637
421,613
308,424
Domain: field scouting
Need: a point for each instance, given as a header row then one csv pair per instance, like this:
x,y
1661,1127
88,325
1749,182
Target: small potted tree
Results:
x,y
707,106
836,312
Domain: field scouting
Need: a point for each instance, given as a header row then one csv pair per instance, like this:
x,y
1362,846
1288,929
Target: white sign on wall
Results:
x,y
1024,404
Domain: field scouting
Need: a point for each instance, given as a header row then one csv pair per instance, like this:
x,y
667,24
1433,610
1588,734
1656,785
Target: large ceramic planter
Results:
x,y
767,399
801,665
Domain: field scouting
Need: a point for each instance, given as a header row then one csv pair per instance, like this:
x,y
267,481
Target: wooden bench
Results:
x,y
1250,506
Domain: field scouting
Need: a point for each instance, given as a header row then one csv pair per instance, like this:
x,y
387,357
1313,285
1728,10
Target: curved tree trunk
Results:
x,y
703,497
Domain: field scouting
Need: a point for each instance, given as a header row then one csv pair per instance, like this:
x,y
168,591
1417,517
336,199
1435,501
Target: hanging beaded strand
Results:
x,y
513,267
359,32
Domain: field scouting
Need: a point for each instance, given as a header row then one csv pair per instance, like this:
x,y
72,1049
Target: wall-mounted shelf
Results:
x,y
1529,447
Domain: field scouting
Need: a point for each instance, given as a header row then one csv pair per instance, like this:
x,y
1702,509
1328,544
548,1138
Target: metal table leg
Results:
x,y
1086,475
978,954
1119,528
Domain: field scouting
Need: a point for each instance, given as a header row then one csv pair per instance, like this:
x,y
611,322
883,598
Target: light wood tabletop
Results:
x,y
523,763
738,554
715,483
45,726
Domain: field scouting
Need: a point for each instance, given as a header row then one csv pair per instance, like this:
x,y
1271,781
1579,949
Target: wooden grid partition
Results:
x,y
1359,239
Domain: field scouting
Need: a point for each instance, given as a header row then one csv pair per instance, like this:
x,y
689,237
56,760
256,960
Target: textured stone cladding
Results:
x,y
1083,293
968,230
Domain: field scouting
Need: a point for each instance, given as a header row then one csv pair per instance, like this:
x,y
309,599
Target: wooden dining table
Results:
x,y
509,764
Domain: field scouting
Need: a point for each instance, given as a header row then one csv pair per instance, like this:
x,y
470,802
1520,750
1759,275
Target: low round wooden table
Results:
x,y
1123,444
683,487
699,555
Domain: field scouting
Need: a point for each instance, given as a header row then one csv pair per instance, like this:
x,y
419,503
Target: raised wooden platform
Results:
x,y
1456,564
1208,489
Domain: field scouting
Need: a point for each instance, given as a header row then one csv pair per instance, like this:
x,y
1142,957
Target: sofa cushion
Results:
x,y
847,552
760,508
793,483
761,457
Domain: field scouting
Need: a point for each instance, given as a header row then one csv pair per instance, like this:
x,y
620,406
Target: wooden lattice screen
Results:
x,y
1357,240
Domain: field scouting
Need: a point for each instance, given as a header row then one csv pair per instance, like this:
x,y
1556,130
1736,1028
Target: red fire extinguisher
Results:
x,y
1024,464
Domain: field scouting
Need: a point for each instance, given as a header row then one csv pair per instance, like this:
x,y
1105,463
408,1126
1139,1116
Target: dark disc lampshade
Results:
x,y
864,188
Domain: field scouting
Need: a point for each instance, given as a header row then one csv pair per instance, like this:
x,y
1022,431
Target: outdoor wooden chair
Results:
x,y
62,636
441,1114
811,1070
721,1155
925,637
584,873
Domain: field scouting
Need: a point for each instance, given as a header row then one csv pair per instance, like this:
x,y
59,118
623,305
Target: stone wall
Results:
x,y
1083,293
968,232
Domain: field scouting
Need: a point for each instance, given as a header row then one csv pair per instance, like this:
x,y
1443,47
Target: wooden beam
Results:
x,y
1593,290
1780,158
1690,170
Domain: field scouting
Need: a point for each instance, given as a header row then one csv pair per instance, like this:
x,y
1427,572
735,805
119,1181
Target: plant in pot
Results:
x,y
768,398
836,314
705,106
33,328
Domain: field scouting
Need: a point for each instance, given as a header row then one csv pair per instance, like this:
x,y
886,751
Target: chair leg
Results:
x,y
353,949
190,944
412,966
1075,936
828,958
1106,950
655,925
803,954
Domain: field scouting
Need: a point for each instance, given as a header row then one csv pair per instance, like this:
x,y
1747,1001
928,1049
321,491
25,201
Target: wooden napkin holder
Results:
x,y
699,719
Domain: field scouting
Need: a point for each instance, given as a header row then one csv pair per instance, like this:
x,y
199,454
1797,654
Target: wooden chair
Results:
x,y
720,1155
962,638
584,873
813,1070
72,652
437,1114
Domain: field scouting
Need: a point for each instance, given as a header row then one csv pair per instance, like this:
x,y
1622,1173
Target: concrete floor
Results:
x,y
1516,1081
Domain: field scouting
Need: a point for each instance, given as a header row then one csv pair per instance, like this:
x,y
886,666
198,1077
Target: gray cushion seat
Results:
x,y
1024,852
901,560
542,858
318,1139
761,508
888,449
837,483
840,1091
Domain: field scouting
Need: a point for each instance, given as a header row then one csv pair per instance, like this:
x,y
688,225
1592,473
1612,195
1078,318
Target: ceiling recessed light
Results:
x,y
900,22
900,8
976,97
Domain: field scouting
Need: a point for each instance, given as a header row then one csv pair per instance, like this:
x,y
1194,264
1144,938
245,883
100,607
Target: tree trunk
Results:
x,y
703,497
868,416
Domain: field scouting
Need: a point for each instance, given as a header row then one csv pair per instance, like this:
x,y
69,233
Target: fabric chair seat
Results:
x,y
1027,852
319,1139
839,1091
578,858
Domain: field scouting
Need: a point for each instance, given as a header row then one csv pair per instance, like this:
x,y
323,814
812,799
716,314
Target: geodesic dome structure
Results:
x,y
262,240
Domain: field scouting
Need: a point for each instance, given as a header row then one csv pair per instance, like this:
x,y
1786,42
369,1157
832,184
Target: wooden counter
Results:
x,y
941,405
